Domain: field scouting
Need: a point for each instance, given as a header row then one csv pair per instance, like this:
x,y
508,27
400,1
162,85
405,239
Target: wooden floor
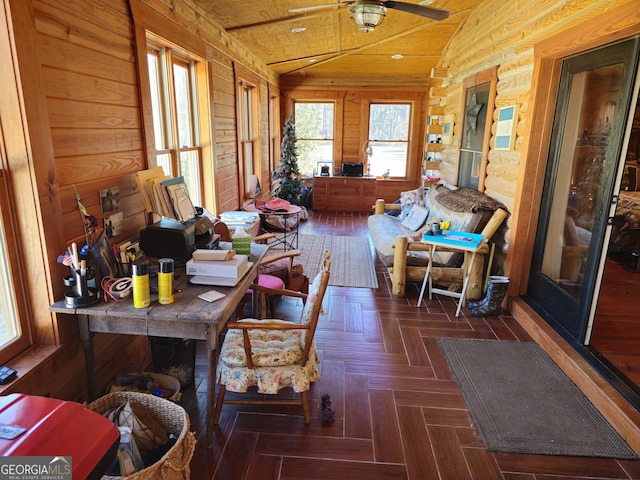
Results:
x,y
615,329
398,411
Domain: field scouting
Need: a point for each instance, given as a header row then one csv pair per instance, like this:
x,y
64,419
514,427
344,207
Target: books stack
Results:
x,y
165,195
217,267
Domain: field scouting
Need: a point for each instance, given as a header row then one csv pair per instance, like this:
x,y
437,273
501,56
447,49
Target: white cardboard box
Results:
x,y
218,268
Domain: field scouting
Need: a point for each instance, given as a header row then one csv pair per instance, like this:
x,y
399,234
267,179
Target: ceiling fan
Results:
x,y
368,14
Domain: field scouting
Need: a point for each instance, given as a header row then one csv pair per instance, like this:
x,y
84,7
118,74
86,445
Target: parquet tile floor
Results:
x,y
398,411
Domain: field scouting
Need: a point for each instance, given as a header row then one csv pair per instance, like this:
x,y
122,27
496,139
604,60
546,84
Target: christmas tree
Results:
x,y
287,176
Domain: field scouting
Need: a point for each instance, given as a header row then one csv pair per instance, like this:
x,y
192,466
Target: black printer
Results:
x,y
170,238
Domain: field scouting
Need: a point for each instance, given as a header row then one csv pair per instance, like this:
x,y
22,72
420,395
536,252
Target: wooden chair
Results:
x,y
276,271
273,354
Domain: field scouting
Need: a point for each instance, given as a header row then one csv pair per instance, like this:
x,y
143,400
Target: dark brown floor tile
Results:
x,y
264,467
357,414
416,353
447,417
371,326
468,437
395,371
481,463
314,469
438,362
421,463
549,464
357,450
387,442
234,462
429,399
448,453
418,385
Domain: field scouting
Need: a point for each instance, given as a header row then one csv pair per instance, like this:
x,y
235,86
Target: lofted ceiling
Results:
x,y
332,50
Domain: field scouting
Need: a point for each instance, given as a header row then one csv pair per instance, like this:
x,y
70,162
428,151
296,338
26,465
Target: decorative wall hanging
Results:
x,y
506,128
447,130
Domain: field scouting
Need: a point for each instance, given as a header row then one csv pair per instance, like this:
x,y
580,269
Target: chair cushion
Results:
x,y
269,347
268,281
276,355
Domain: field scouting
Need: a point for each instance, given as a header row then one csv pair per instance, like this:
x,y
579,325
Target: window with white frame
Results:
x,y
172,79
314,122
387,147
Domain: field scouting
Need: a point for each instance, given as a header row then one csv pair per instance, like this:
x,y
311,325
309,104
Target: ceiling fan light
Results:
x,y
367,16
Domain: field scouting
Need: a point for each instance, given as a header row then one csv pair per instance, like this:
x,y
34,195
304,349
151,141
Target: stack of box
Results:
x,y
213,267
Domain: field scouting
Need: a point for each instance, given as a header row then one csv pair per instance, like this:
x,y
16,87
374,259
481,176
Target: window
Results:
x,y
478,106
387,147
246,132
172,79
14,335
314,122
274,132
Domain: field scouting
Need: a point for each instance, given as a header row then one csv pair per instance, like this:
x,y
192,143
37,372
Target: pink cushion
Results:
x,y
269,281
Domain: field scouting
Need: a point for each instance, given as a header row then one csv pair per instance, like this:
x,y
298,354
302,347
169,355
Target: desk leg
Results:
x,y
212,360
467,273
89,358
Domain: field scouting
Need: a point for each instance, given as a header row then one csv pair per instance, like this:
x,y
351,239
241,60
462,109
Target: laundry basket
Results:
x,y
174,465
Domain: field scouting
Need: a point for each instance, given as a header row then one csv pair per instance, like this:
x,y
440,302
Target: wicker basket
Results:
x,y
174,465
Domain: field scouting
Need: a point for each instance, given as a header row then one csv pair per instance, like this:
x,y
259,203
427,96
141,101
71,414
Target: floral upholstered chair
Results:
x,y
273,354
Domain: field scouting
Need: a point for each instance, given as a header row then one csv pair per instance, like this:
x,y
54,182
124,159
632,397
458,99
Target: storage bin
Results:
x,y
175,464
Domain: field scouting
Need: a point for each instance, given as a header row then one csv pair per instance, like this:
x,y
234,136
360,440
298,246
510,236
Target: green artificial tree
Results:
x,y
289,182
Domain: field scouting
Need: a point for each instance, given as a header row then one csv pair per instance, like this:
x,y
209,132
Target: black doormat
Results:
x,y
521,401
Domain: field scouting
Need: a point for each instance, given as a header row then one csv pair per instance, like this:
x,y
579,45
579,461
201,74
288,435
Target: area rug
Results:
x,y
521,401
351,259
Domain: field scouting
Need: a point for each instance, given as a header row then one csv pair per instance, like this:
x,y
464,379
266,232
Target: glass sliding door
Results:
x,y
592,106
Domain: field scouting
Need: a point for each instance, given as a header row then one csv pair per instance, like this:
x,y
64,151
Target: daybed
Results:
x,y
405,255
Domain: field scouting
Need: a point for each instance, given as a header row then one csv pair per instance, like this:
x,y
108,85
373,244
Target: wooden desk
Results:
x,y
187,317
469,257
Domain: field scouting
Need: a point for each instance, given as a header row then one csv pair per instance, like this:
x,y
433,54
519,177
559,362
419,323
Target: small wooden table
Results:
x,y
289,236
469,251
187,317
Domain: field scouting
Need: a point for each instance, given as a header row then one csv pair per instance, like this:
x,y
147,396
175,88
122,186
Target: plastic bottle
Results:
x,y
140,280
165,281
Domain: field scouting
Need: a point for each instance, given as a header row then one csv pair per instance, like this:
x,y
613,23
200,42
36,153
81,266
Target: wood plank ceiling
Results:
x,y
332,51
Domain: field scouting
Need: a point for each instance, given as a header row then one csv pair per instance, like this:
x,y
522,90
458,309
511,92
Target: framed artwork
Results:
x,y
103,252
506,129
110,199
113,224
447,130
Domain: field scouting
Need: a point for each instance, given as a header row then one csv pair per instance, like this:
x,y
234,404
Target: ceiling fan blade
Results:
x,y
429,12
318,7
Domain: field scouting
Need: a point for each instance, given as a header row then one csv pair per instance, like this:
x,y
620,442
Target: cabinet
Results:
x,y
344,194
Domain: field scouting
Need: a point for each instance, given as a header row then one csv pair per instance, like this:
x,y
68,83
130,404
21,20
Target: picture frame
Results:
x,y
506,128
109,265
114,224
109,199
447,129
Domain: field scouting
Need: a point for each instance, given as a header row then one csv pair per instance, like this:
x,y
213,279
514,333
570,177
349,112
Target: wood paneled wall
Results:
x,y
85,57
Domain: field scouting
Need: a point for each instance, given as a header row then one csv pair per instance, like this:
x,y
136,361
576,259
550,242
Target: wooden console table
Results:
x,y
344,194
187,317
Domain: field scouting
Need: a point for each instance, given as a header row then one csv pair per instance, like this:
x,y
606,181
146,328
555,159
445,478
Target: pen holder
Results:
x,y
80,295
